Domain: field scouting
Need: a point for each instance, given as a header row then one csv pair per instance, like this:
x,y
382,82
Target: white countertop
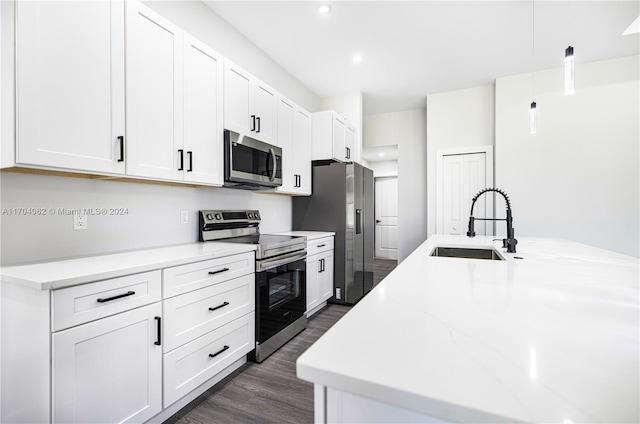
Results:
x,y
310,235
552,337
64,273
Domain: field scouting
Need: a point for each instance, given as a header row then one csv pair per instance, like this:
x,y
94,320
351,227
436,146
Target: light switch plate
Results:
x,y
80,222
184,216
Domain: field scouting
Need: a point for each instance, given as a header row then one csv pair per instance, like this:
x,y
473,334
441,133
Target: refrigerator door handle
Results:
x,y
358,221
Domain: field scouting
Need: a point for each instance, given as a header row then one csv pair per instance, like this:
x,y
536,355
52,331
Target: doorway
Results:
x,y
461,174
386,217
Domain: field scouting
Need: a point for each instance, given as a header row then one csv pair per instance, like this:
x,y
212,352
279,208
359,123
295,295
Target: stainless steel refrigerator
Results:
x,y
342,201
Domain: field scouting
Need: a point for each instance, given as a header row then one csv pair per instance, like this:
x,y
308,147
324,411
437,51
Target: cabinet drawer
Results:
x,y
186,278
319,245
77,305
193,314
188,366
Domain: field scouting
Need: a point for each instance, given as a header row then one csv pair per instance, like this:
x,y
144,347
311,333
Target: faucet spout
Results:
x,y
510,242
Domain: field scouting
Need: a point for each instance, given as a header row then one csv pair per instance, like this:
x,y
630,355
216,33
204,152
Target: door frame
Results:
x,y
489,170
375,238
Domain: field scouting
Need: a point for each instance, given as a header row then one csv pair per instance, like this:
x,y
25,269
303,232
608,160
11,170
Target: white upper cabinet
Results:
x,y
294,137
174,102
250,106
70,85
328,136
154,94
203,125
350,141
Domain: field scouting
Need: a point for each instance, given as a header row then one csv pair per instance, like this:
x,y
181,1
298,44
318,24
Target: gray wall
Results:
x,y
153,218
408,130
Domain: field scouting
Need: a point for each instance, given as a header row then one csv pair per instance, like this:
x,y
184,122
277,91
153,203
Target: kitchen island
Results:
x,y
550,334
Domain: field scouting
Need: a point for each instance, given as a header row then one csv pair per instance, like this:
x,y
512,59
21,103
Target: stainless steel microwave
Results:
x,y
250,163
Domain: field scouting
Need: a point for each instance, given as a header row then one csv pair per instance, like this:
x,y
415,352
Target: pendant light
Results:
x,y
532,118
568,71
533,110
569,63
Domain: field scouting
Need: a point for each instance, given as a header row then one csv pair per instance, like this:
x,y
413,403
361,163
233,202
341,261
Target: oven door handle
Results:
x,y
280,260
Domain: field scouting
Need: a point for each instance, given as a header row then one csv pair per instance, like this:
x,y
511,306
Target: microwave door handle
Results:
x,y
275,164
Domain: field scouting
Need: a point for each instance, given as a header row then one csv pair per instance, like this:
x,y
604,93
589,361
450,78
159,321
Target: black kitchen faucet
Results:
x,y
509,242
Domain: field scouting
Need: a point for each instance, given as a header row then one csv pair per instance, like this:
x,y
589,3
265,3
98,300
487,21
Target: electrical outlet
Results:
x,y
184,216
80,222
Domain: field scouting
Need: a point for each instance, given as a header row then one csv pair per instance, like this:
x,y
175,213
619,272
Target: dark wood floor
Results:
x,y
269,392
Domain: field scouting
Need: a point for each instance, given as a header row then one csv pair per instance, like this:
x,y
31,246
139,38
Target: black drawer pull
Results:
x,y
321,245
218,271
213,355
219,306
121,140
129,293
158,342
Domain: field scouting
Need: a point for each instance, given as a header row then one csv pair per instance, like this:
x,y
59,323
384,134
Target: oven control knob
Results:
x,y
256,216
250,215
218,216
210,216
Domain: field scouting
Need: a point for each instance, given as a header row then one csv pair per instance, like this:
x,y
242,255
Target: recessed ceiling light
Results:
x,y
381,154
357,58
324,8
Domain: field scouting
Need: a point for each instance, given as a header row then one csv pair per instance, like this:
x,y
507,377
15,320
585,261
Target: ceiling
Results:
x,y
413,48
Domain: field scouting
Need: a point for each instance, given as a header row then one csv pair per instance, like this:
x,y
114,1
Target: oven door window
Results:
x,y
281,298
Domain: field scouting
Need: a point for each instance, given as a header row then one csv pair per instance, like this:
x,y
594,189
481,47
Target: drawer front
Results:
x,y
319,245
190,277
79,304
188,366
189,316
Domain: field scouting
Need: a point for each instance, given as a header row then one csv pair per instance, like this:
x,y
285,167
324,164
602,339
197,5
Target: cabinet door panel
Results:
x,y
265,106
70,84
108,370
154,94
302,149
203,130
286,112
237,99
350,143
313,278
339,151
326,280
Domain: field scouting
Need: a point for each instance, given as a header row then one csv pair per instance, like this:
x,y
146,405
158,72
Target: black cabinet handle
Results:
x,y
190,154
129,293
320,265
218,271
378,221
253,122
213,355
158,341
121,140
321,245
358,221
258,119
215,308
181,152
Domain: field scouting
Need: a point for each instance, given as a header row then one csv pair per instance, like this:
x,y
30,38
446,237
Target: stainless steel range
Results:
x,y
281,267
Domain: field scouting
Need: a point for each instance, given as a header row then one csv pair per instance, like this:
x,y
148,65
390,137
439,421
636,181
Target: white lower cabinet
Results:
x,y
109,370
209,322
319,273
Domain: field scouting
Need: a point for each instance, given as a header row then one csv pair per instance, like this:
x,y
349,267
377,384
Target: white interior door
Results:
x,y
386,213
463,175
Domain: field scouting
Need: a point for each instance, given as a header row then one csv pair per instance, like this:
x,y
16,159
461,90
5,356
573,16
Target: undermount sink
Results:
x,y
466,252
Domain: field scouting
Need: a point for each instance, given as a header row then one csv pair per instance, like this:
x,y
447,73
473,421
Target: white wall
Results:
x,y
386,168
462,118
578,177
408,130
209,27
153,209
152,218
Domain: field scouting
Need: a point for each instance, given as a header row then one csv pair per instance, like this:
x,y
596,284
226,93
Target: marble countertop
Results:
x,y
310,235
550,336
70,272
